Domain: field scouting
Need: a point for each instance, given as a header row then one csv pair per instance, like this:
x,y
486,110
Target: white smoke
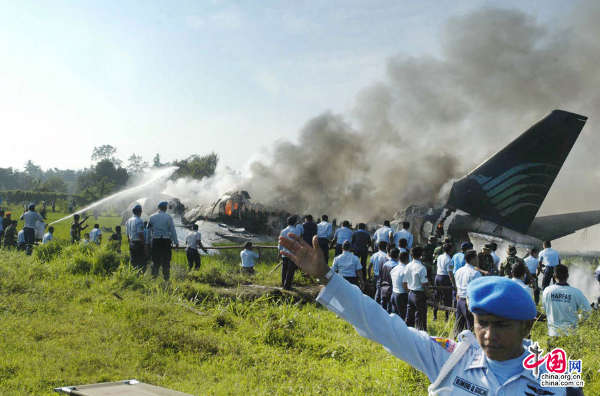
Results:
x,y
581,276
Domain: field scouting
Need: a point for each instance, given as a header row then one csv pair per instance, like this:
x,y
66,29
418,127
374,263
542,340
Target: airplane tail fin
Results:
x,y
548,228
509,188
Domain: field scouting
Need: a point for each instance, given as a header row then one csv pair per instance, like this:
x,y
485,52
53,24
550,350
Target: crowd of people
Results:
x,y
495,304
406,279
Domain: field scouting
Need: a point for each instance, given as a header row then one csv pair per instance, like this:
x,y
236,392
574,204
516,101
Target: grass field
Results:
x,y
72,315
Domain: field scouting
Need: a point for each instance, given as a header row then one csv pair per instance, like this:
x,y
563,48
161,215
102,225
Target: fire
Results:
x,y
228,208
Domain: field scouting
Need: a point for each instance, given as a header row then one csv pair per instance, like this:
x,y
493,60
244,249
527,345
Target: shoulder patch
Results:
x,y
445,343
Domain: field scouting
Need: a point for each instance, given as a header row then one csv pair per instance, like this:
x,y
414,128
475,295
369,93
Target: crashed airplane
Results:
x,y
499,200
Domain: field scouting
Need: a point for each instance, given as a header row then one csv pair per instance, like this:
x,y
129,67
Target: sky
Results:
x,y
192,77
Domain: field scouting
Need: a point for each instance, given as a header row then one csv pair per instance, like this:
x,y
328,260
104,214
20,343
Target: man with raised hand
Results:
x,y
489,361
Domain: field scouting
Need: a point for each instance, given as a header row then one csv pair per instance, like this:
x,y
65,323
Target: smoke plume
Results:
x,y
432,118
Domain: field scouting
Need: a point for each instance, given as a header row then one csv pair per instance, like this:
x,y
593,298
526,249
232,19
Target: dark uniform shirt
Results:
x,y
506,266
310,230
361,240
10,235
486,262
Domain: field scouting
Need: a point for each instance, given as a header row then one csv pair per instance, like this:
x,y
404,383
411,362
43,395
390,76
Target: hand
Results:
x,y
309,259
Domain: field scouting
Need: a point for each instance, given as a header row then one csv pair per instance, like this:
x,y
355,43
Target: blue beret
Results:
x,y
163,204
466,245
500,296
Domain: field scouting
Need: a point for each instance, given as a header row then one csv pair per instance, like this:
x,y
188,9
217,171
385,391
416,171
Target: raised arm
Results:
x,y
368,318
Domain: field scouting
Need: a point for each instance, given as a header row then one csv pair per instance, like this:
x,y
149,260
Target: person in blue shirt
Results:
x,y
487,361
324,233
248,257
134,228
341,235
376,262
385,279
49,236
163,234
382,234
348,265
458,260
403,233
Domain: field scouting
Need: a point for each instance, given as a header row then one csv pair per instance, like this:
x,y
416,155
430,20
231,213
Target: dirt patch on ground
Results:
x,y
299,294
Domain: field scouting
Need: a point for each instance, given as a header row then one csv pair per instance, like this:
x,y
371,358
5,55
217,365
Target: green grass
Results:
x,y
73,315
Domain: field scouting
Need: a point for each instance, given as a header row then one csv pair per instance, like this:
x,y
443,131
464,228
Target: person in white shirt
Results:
x,y
86,239
495,257
415,282
324,234
48,237
96,234
21,239
288,268
399,293
462,277
444,280
383,234
549,258
348,265
248,257
193,242
562,304
134,228
403,233
533,270
519,271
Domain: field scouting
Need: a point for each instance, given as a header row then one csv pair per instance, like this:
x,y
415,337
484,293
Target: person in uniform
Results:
x,y
163,234
134,227
416,282
376,262
341,235
427,258
309,228
385,279
49,236
549,258
382,234
533,270
511,259
361,240
519,272
21,240
288,268
403,233
444,281
485,260
458,259
495,257
488,361
193,242
440,249
324,233
562,304
76,228
348,265
30,218
399,299
248,258
464,276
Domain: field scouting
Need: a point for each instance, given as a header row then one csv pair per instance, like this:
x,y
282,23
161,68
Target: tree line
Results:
x,y
106,175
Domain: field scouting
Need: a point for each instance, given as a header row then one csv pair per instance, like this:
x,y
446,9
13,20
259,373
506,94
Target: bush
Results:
x,y
105,262
80,264
48,251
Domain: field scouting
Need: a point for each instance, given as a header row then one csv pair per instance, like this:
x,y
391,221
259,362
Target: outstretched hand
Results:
x,y
309,258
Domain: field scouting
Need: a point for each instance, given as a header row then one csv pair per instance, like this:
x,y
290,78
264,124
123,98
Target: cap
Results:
x,y
137,207
500,296
163,204
466,245
512,250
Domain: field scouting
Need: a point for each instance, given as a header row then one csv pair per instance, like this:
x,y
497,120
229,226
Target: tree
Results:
x,y
101,180
156,161
53,184
106,152
196,167
33,170
136,164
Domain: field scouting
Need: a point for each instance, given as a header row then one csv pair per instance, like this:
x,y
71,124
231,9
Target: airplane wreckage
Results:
x,y
497,201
